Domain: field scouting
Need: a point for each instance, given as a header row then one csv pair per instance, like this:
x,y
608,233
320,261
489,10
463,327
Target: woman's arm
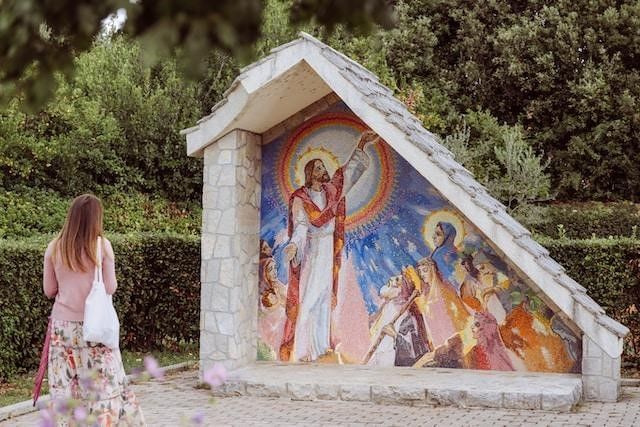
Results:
x,y
49,281
109,268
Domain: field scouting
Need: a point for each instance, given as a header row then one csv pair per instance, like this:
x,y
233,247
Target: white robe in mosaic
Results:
x,y
315,254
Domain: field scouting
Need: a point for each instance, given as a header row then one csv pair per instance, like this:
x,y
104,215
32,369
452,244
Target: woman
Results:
x,y
442,308
445,253
87,372
491,290
272,298
489,352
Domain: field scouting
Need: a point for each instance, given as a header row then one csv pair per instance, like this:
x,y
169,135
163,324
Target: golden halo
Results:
x,y
331,162
432,220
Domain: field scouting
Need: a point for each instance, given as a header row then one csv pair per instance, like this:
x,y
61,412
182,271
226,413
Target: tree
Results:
x,y
502,159
113,127
568,72
279,27
38,38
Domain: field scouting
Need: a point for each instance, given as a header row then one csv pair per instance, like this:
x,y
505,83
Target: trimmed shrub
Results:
x,y
158,296
585,220
567,72
610,270
32,211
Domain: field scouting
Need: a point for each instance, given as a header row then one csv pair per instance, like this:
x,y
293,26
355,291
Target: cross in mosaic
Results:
x,y
337,230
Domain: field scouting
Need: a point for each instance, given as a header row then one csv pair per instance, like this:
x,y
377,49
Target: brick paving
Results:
x,y
173,401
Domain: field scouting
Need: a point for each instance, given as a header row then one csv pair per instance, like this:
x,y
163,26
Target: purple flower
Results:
x,y
80,413
61,406
152,367
87,383
198,418
47,418
215,376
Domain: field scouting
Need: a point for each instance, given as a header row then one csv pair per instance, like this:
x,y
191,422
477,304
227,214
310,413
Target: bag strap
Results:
x,y
97,275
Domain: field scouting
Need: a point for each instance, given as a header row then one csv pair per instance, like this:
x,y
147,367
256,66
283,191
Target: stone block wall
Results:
x,y
230,245
600,373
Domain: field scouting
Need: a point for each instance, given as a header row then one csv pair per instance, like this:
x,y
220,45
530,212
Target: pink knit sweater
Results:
x,y
70,288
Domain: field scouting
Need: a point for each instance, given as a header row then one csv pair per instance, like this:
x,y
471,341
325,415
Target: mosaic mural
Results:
x,y
362,261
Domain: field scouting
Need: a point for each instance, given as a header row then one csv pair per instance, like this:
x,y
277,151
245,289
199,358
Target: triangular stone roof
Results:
x,y
254,102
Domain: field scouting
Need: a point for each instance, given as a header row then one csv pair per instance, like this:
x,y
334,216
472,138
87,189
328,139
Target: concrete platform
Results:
x,y
406,386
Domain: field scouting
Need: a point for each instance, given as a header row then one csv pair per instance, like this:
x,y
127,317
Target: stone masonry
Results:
x,y
406,386
230,245
600,373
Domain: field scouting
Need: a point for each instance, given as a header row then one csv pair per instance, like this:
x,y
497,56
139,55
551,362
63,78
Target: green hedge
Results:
x,y
587,220
158,299
27,212
158,296
610,270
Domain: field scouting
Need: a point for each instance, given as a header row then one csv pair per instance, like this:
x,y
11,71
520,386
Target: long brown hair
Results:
x,y
80,232
308,172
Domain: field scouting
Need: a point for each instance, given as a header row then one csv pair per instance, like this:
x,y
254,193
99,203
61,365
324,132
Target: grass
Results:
x,y
135,359
19,388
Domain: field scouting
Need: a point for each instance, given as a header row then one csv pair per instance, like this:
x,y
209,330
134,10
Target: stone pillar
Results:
x,y
600,373
230,250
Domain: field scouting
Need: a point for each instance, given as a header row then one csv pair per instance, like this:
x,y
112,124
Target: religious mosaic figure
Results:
x,y
445,254
398,329
387,319
317,213
484,290
364,261
489,353
442,308
272,297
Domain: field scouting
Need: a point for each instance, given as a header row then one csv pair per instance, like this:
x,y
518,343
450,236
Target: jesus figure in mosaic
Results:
x,y
317,213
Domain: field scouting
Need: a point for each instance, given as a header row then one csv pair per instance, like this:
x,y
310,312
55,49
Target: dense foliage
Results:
x,y
502,160
158,295
568,72
610,270
563,78
38,38
560,80
588,220
31,212
113,128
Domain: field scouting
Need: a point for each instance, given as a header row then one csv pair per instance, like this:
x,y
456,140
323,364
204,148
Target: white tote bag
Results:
x,y
101,323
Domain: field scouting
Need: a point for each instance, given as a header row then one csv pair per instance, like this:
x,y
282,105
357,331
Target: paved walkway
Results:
x,y
173,401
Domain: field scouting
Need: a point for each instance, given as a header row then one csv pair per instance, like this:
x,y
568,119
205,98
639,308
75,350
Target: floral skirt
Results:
x,y
88,381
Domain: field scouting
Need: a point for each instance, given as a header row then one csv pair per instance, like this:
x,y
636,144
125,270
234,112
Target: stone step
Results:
x,y
407,386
